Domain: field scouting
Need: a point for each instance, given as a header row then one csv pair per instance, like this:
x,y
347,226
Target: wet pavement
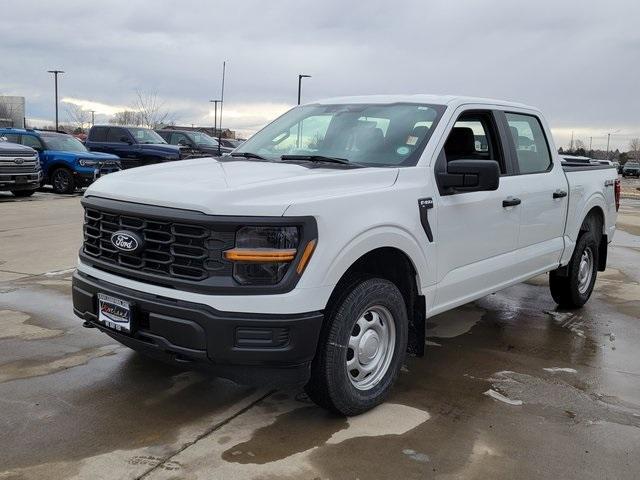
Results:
x,y
510,387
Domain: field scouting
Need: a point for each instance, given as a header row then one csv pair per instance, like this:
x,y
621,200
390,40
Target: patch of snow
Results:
x,y
560,369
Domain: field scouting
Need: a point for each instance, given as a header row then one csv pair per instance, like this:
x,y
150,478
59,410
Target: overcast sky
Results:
x,y
579,61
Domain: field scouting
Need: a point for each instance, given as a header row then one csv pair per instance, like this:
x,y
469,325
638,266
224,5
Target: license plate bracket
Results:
x,y
114,313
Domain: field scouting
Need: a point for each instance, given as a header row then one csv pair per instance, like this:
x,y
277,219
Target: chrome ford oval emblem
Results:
x,y
18,161
126,241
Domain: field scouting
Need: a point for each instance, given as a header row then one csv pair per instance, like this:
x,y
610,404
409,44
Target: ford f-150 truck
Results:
x,y
20,171
136,146
314,253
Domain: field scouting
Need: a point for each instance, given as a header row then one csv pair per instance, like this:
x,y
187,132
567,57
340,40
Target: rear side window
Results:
x,y
99,134
115,134
11,137
31,141
532,149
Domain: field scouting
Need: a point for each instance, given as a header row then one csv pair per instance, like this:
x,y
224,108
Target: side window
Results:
x,y
115,134
177,137
11,137
98,134
474,137
31,141
531,145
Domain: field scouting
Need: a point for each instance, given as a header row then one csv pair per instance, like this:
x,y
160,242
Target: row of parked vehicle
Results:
x,y
32,158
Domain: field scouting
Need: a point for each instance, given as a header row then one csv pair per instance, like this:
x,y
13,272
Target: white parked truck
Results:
x,y
314,253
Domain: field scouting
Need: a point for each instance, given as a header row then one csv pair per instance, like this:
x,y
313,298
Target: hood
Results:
x,y
231,187
161,147
89,155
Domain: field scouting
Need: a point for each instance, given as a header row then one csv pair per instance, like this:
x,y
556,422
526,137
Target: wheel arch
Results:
x,y
396,265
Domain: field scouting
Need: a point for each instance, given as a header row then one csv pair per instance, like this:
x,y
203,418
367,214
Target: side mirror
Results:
x,y
183,143
126,140
470,176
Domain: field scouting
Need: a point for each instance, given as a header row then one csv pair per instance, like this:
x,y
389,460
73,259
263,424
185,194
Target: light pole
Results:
x,y
608,140
300,77
215,116
55,78
93,117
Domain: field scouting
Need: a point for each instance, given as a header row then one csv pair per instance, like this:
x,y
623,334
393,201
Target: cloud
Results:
x,y
574,61
99,108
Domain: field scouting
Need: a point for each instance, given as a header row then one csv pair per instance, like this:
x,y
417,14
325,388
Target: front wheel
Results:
x,y
361,349
573,287
62,181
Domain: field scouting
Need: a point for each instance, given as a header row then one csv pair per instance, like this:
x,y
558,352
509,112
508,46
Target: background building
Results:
x,y
11,111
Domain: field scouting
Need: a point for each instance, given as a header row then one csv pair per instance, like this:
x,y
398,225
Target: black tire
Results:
x,y
23,193
565,285
329,385
62,180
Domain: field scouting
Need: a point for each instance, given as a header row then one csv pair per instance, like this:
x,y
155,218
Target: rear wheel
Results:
x,y
23,193
62,180
572,287
361,349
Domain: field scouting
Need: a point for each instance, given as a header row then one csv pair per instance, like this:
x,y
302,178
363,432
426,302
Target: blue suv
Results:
x,y
66,162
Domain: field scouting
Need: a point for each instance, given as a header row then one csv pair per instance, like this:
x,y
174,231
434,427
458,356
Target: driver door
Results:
x,y
477,232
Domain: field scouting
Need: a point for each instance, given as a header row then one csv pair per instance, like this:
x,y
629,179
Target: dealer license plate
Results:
x,y
114,313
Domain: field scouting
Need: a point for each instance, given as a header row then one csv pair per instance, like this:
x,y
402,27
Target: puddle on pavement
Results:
x,y
16,325
35,368
454,322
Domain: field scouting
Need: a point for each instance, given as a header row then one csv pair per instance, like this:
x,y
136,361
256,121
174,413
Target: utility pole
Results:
x,y
300,77
215,117
224,70
55,78
590,142
93,117
571,144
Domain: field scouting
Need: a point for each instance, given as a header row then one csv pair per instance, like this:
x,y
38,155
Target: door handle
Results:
x,y
511,202
559,194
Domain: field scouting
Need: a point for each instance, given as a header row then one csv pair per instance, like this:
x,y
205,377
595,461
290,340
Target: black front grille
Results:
x,y
170,249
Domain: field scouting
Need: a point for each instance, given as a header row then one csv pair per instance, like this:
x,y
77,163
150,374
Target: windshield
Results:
x,y
144,135
65,143
367,134
203,139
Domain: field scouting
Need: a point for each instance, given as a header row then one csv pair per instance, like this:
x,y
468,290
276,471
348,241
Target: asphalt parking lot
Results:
x,y
510,387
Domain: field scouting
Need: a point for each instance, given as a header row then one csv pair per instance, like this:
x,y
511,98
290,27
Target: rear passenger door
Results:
x,y
543,191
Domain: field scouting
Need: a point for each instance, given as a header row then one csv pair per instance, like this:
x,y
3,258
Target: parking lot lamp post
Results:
x,y
300,77
215,117
55,79
93,118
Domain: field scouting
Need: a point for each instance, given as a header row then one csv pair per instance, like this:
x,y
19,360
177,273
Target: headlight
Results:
x,y
263,255
87,163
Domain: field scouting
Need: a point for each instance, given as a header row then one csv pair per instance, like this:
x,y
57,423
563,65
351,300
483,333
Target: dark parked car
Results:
x,y
136,146
230,142
66,162
194,144
631,169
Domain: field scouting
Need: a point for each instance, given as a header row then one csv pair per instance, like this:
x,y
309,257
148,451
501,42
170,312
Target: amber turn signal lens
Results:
x,y
260,255
306,255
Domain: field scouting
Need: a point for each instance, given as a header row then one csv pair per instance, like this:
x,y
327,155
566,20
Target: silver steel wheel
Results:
x,y
585,270
371,347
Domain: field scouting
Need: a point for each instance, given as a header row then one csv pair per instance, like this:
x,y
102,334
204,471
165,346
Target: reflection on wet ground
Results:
x,y
510,387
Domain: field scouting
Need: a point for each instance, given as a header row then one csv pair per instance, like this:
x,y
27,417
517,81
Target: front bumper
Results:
x,y
256,349
20,181
86,176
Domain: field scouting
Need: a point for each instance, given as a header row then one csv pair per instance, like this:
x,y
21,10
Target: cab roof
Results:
x,y
447,100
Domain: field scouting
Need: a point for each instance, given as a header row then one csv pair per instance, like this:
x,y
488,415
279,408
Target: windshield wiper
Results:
x,y
320,158
248,155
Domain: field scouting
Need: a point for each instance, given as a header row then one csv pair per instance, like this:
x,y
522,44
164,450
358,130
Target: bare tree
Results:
x,y
127,117
579,144
78,117
151,110
634,145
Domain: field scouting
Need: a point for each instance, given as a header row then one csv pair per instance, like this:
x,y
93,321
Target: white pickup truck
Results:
x,y
315,252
